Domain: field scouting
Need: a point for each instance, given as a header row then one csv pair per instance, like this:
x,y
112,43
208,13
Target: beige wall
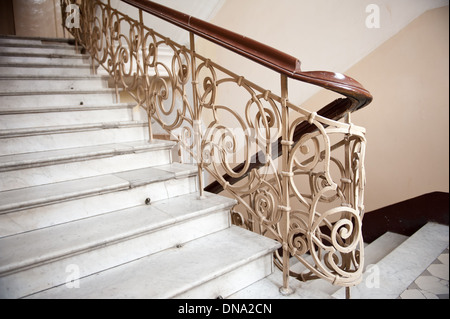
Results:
x,y
408,121
326,35
38,18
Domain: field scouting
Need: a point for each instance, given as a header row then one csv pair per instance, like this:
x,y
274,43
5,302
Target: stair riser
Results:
x,y
37,51
22,178
18,121
12,85
59,99
27,219
38,143
9,60
56,273
40,71
231,282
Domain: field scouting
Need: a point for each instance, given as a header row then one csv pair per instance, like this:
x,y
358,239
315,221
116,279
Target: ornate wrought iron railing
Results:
x,y
298,176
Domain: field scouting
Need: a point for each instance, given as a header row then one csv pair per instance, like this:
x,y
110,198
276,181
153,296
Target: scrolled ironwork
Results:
x,y
310,199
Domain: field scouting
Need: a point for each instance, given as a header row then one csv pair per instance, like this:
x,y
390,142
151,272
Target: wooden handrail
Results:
x,y
258,52
356,95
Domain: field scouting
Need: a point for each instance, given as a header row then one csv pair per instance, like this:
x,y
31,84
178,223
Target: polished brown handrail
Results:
x,y
356,95
258,52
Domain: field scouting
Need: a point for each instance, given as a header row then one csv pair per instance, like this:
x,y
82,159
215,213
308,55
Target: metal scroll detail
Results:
x,y
151,68
326,224
310,198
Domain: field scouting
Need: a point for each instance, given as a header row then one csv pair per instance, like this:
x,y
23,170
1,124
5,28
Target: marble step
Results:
x,y
34,42
392,275
30,263
38,51
104,77
12,85
39,168
31,208
39,139
316,289
72,61
19,41
21,117
57,97
53,98
45,70
201,268
42,51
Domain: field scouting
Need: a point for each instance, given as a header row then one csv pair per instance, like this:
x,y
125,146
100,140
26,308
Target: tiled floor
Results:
x,y
432,283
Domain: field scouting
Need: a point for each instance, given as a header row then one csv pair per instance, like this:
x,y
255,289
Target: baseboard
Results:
x,y
407,216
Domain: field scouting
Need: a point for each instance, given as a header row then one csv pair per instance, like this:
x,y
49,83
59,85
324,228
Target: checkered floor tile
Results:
x,y
432,283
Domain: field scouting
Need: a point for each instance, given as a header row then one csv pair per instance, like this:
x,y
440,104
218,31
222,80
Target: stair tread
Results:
x,y
49,193
31,248
51,70
6,40
404,264
177,269
24,109
381,247
47,65
29,79
53,77
38,50
18,161
12,53
52,58
60,92
66,128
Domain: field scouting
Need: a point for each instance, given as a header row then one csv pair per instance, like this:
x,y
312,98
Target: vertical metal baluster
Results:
x,y
348,165
197,122
63,17
349,189
286,146
146,79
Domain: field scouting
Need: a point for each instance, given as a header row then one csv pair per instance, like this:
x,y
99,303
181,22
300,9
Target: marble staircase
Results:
x,y
89,208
